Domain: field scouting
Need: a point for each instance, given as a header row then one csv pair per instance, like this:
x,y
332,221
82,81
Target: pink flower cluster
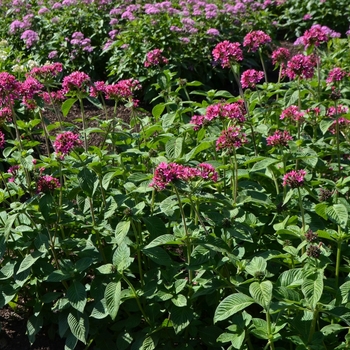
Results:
x,y
30,38
280,56
5,115
231,138
123,89
30,89
9,88
75,82
2,140
13,170
78,40
292,113
279,138
47,183
234,111
315,36
46,72
336,75
250,78
166,173
65,142
227,53
301,66
256,39
155,58
294,178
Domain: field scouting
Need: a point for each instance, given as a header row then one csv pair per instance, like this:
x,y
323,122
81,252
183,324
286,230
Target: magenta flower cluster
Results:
x,y
292,113
47,183
227,53
155,58
256,39
233,111
65,142
335,75
301,66
47,72
75,82
315,36
2,140
166,173
250,78
294,178
231,139
78,40
280,56
279,138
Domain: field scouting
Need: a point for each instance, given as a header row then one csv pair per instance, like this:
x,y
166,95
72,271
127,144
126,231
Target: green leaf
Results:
x,y
112,297
148,344
67,105
34,325
83,264
312,288
201,147
121,231
121,257
338,214
289,195
173,148
262,293
105,269
230,305
345,292
86,180
79,325
29,260
263,164
291,278
179,300
76,295
325,125
321,209
257,264
181,317
164,239
100,310
159,256
71,342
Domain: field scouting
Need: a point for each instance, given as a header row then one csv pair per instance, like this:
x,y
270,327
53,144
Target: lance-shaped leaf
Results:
x,y
112,297
232,304
262,293
312,288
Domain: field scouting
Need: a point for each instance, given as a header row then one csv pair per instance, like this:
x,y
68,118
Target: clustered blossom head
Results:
x,y
166,173
123,89
343,124
47,183
65,142
98,87
78,40
227,53
333,112
280,56
255,39
315,36
75,82
13,170
231,139
53,97
250,78
233,111
47,72
5,115
279,138
301,66
335,75
155,58
9,88
30,38
2,140
30,88
292,113
294,178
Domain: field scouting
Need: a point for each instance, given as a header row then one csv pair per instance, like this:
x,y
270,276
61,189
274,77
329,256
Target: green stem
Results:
x,y
301,211
137,299
337,264
188,237
83,118
313,325
234,176
268,320
138,243
263,65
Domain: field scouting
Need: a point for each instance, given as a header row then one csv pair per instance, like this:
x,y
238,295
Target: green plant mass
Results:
x,y
176,174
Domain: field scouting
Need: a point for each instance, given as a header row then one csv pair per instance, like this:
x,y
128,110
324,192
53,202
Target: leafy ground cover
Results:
x,y
173,177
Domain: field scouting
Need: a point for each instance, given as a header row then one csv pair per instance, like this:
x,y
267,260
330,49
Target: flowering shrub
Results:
x,y
214,219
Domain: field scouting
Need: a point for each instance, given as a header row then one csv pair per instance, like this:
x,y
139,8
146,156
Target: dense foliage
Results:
x,y
217,219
